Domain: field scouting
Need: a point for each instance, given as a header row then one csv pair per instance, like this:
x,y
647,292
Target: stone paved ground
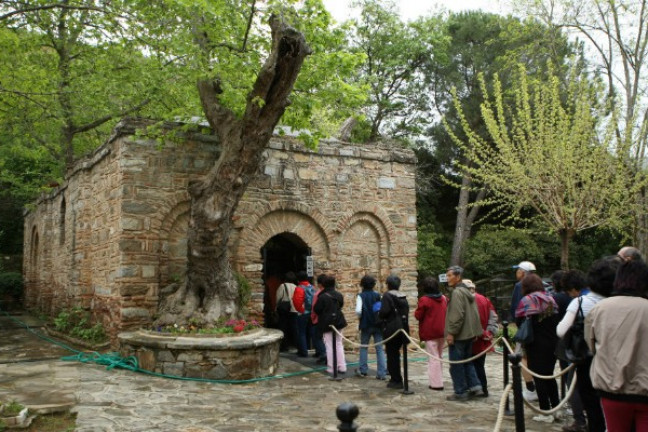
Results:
x,y
119,400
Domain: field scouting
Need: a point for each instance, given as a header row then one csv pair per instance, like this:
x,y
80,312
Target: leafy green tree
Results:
x,y
70,72
432,256
243,100
551,153
104,60
494,250
396,54
479,42
616,38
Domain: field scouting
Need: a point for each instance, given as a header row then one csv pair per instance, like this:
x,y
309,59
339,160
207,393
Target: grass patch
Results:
x,y
55,422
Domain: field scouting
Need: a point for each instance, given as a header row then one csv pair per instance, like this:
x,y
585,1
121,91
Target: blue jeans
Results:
x,y
302,348
365,336
463,375
318,342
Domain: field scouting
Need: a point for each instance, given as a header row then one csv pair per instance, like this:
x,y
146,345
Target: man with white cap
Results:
x,y
522,269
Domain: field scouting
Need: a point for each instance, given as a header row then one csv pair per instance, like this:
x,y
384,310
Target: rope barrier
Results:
x,y
114,360
415,342
526,368
562,403
502,404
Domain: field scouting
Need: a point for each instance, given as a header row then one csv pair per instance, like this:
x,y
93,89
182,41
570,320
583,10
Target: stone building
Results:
x,y
114,234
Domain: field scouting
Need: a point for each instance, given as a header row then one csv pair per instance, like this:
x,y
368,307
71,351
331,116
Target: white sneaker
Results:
x,y
529,396
544,418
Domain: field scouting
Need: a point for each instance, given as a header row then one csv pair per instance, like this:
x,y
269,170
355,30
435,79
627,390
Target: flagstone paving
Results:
x,y
32,373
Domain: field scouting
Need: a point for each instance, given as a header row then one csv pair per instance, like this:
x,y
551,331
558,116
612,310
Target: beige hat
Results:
x,y
469,283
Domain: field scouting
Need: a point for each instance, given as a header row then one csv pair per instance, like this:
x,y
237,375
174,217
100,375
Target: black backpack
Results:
x,y
572,347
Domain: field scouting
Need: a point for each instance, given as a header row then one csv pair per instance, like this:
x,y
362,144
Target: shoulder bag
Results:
x,y
572,347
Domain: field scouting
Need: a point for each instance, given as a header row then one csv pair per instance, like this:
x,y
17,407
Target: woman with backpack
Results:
x,y
541,311
366,303
600,280
329,313
394,312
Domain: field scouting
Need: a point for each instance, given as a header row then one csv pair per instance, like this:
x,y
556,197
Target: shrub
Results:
x,y
76,322
11,283
433,251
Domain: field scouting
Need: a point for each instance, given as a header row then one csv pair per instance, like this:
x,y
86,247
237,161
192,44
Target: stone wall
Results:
x,y
242,356
114,234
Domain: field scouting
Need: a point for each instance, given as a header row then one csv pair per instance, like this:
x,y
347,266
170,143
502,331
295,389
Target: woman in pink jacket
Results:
x,y
431,314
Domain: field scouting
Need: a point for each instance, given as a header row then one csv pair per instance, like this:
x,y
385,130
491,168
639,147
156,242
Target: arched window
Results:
x,y
34,251
62,222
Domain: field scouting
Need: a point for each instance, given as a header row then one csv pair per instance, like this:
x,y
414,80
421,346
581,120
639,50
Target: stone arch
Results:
x,y
285,216
279,218
173,244
378,214
61,224
34,253
364,244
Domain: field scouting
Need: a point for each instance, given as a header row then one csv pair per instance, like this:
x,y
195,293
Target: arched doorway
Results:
x,y
282,253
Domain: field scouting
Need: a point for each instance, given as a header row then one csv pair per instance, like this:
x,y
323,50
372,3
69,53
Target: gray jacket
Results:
x,y
462,318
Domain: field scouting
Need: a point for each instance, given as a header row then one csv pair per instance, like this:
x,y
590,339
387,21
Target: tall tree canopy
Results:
x,y
481,43
615,34
552,152
396,53
100,61
70,70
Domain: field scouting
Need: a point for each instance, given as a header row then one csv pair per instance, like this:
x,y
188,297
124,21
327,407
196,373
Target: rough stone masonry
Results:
x,y
114,234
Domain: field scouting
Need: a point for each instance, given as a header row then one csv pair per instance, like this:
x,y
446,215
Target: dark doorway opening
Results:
x,y
282,253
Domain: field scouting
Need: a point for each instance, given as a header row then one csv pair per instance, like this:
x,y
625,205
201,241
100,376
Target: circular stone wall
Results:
x,y
220,357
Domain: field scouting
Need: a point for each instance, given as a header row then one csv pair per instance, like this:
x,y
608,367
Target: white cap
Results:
x,y
527,266
468,283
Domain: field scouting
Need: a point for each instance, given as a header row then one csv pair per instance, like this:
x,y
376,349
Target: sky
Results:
x,y
411,9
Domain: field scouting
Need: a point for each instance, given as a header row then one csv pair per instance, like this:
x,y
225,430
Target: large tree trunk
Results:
x,y
210,290
565,237
465,220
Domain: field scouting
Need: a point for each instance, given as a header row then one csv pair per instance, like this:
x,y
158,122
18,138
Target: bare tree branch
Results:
x,y
104,119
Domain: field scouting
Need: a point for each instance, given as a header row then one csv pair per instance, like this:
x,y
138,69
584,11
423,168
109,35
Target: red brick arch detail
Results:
x,y
375,216
379,228
164,236
177,210
286,216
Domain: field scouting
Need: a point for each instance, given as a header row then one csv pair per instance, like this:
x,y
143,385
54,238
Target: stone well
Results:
x,y
237,356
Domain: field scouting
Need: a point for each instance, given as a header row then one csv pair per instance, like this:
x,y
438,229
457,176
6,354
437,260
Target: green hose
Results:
x,y
114,360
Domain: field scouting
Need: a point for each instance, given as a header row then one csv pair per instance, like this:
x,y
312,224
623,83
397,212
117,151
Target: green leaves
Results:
x,y
551,152
71,71
396,55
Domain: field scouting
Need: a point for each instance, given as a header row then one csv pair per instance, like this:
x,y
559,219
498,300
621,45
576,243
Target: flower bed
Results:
x,y
220,328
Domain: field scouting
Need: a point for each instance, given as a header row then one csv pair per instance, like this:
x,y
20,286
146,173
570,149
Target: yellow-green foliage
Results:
x,y
552,154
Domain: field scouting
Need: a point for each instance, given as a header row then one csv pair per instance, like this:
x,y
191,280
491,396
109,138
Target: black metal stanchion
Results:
x,y
406,389
347,412
518,402
335,376
506,352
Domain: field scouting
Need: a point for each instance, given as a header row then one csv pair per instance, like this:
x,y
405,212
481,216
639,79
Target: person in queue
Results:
x,y
615,331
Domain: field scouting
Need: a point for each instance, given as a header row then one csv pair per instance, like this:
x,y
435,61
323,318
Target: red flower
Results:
x,y
239,328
